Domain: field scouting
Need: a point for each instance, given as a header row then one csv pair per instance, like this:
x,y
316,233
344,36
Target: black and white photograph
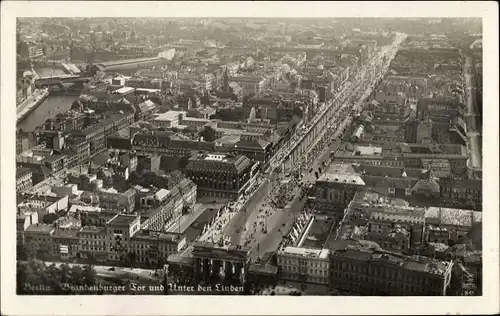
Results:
x,y
206,155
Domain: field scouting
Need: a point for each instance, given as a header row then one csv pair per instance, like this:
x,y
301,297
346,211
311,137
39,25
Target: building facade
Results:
x,y
304,265
221,175
368,272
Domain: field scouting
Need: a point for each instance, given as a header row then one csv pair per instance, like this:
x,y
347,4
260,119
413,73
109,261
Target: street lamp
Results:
x,y
165,279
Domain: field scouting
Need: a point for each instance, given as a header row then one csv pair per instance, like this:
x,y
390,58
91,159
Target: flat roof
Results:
x,y
263,269
40,228
368,150
347,178
84,208
21,170
233,131
195,119
168,116
340,167
452,216
306,252
127,61
318,233
65,233
419,264
155,235
92,229
147,90
122,220
124,90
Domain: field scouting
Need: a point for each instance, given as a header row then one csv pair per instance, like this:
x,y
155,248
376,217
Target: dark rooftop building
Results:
x,y
220,175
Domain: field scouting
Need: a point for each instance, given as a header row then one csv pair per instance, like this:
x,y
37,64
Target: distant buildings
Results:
x,y
117,178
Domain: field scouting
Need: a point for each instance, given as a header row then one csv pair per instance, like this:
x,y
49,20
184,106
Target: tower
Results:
x,y
226,81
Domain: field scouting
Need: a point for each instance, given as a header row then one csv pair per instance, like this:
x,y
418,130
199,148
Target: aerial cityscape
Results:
x,y
249,156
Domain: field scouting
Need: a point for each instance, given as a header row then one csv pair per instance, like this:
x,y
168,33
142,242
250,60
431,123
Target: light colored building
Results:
x,y
154,247
168,54
304,265
45,204
169,119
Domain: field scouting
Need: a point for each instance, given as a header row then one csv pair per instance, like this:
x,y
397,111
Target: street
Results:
x,y
474,145
27,104
261,224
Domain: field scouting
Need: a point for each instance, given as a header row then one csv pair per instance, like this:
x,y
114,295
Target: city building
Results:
x,y
448,223
221,175
462,192
304,265
43,204
338,185
390,222
96,134
23,179
403,155
93,243
161,208
154,247
366,270
118,233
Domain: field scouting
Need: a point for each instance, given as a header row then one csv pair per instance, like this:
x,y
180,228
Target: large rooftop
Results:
x,y
169,115
305,252
127,61
147,235
318,232
218,162
40,228
423,264
359,214
122,220
452,217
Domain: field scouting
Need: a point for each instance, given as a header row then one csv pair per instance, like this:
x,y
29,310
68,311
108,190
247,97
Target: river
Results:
x,y
52,106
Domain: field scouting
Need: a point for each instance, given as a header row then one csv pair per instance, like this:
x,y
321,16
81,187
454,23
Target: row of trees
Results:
x,y
32,251
35,277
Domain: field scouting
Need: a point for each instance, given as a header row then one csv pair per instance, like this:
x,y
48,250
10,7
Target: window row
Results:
x,y
392,274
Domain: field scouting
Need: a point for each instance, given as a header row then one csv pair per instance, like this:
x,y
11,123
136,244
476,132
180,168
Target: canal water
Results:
x,y
52,106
